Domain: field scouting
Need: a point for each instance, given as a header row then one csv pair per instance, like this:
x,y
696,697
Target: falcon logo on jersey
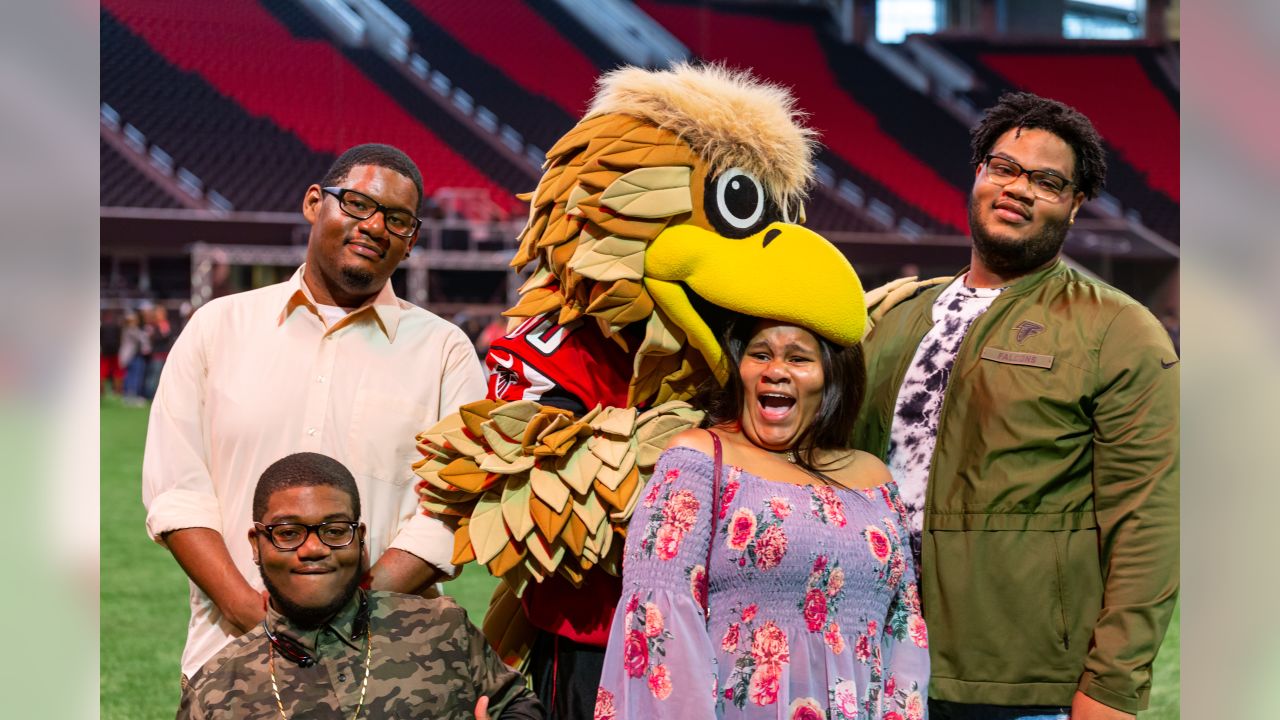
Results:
x,y
510,378
539,356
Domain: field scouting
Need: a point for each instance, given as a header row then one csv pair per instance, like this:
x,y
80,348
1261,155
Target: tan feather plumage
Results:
x,y
728,117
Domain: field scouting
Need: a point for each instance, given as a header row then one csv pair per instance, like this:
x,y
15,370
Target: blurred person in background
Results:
x,y
135,346
1030,417
109,336
496,328
161,335
328,361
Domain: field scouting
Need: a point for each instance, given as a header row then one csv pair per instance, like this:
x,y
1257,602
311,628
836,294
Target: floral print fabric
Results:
x,y
809,610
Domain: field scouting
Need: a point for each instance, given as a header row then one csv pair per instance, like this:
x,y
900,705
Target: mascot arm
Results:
x,y
887,296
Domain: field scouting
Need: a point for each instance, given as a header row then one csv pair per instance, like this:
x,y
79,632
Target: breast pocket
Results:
x,y
1038,391
382,436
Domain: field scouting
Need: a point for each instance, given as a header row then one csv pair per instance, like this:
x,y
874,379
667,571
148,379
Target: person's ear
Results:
x,y
1076,202
311,203
253,544
412,241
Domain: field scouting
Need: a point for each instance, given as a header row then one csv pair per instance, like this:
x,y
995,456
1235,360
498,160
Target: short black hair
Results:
x,y
1032,112
844,383
377,155
304,469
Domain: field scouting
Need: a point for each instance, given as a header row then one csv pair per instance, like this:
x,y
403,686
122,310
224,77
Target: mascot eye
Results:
x,y
736,203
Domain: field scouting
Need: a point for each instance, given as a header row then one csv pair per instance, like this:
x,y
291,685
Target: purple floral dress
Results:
x,y
814,612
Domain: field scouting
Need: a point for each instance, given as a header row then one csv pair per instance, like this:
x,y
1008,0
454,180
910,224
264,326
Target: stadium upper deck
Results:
x,y
255,97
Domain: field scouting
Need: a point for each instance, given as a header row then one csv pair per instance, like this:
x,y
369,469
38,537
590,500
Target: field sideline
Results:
x,y
144,594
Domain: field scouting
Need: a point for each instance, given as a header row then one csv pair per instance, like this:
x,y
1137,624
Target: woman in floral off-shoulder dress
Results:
x,y
802,602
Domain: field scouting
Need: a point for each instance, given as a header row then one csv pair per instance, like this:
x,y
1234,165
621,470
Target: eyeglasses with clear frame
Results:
x,y
1045,184
362,207
291,536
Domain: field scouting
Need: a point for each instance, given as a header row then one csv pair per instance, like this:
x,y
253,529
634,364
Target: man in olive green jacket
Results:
x,y
1030,417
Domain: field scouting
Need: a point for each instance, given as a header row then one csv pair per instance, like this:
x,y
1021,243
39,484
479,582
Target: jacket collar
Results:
x,y
1027,283
384,307
1020,287
346,625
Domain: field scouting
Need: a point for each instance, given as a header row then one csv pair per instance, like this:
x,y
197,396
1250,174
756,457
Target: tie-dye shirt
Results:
x,y
915,416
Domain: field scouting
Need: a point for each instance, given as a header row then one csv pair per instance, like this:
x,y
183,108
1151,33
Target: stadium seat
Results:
x,y
328,103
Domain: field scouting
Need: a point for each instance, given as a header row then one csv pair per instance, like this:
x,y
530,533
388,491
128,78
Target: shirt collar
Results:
x,y
342,626
1023,284
384,306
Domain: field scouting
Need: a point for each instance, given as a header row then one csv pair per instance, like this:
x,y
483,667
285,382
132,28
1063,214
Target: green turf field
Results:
x,y
144,593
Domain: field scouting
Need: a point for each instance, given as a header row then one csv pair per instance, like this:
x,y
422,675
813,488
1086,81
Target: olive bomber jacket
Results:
x,y
1050,549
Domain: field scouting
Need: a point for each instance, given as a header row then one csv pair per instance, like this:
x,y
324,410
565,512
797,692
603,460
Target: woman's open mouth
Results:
x,y
775,406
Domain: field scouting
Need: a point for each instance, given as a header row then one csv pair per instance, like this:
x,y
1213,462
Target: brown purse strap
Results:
x,y
715,510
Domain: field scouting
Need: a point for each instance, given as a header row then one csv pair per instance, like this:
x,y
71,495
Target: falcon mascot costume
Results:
x,y
672,205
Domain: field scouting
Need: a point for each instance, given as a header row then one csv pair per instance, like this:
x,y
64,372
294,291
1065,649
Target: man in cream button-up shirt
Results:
x,y
330,361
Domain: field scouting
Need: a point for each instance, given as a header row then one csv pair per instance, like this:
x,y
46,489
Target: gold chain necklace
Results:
x,y
368,655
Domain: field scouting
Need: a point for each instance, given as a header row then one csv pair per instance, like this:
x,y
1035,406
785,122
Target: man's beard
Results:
x,y
357,279
311,618
1015,258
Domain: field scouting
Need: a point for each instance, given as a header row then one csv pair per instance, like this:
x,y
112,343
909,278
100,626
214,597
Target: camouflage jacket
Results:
x,y
428,661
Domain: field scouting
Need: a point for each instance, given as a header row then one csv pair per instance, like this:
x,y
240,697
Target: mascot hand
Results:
x,y
887,296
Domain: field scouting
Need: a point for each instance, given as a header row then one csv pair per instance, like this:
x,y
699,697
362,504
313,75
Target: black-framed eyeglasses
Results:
x,y
291,649
291,536
362,207
1045,184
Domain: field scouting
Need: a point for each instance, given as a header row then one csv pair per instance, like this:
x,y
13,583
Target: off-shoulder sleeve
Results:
x,y
904,648
659,662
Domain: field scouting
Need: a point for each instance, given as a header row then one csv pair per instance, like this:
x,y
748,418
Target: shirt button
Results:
x,y
311,431
320,379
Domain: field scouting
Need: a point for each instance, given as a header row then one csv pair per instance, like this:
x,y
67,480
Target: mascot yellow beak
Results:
x,y
783,272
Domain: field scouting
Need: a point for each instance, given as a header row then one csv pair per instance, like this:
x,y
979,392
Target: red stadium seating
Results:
x,y
305,86
507,33
250,160
1135,109
1116,95
539,119
791,54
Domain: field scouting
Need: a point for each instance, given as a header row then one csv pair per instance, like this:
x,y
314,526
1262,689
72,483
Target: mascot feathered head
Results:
x,y
674,199
674,203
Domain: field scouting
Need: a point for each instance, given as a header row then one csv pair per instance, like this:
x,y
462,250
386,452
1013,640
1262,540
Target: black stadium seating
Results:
x,y
1135,110
120,184
249,160
538,118
171,70
302,85
512,177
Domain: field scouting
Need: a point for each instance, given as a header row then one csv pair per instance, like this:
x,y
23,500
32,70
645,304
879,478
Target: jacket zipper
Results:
x,y
946,393
1062,601
942,411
